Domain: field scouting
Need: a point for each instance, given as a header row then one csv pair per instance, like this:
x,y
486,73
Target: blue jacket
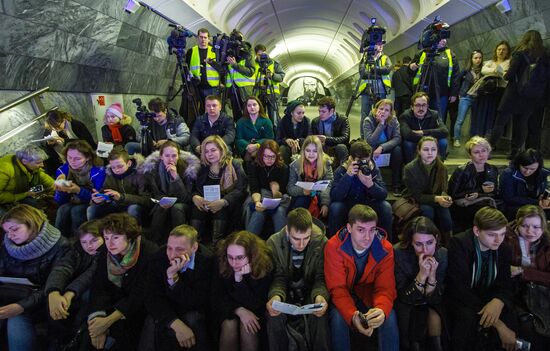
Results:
x,y
97,177
349,189
513,187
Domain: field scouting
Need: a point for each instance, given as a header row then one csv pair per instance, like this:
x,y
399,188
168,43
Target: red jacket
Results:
x,y
376,288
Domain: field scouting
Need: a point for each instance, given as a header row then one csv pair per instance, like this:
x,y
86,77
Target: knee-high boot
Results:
x,y
435,343
218,230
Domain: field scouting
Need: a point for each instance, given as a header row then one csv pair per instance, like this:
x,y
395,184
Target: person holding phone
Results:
x,y
178,287
420,265
425,180
239,292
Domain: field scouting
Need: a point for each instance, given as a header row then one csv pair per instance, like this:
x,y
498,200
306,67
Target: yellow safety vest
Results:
x,y
385,78
271,68
416,79
212,75
240,79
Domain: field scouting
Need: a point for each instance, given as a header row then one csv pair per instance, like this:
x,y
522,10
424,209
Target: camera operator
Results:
x,y
206,77
376,80
358,181
241,72
444,77
274,75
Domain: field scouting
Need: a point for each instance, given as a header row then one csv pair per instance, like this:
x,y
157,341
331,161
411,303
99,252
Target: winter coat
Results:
x,y
294,177
340,130
313,273
233,196
188,166
127,131
464,181
418,183
97,177
349,189
372,130
36,269
174,129
132,188
11,179
224,127
431,125
540,272
286,130
513,187
376,286
248,133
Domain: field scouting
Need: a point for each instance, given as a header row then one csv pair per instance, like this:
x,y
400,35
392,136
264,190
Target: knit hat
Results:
x,y
292,105
115,109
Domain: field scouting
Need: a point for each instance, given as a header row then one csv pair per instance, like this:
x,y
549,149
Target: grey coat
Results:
x,y
372,130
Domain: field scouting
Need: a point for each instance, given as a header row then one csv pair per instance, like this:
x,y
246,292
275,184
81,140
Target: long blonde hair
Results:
x,y
322,158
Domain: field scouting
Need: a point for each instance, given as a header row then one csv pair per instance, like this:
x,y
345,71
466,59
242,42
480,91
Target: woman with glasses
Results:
x,y
268,179
420,265
530,242
240,291
524,182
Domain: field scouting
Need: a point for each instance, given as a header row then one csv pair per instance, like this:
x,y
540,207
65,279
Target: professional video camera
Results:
x,y
372,36
177,41
433,33
230,45
264,60
143,115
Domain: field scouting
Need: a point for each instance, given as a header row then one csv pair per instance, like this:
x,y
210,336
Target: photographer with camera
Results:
x,y
206,77
436,68
376,84
358,181
269,74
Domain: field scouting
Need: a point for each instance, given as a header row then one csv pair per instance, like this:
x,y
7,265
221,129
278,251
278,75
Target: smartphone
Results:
x,y
364,320
104,196
546,194
37,188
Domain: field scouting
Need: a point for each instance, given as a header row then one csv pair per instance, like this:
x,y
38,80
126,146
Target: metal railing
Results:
x,y
23,99
22,127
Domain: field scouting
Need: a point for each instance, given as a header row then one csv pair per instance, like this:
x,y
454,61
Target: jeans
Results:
x,y
366,107
388,332
21,333
133,147
440,106
69,217
257,219
96,211
463,106
441,216
338,215
409,149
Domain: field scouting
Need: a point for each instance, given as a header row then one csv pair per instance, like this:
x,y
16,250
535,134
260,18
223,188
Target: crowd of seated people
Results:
x,y
197,242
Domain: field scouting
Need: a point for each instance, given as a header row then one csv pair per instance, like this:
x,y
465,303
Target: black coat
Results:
x,y
340,130
127,131
464,180
286,130
401,81
236,195
224,127
419,184
431,125
190,293
259,178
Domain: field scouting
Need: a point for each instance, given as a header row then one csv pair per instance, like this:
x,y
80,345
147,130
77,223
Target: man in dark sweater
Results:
x,y
401,82
299,279
178,290
479,289
332,129
419,121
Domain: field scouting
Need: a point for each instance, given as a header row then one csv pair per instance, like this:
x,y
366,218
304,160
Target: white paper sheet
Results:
x,y
168,201
211,192
296,310
383,160
13,280
269,204
320,185
104,149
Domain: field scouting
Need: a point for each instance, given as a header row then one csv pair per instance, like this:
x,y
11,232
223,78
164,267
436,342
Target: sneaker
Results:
x,y
456,143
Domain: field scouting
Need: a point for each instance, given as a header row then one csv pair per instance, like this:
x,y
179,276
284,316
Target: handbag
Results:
x,y
404,209
481,201
537,300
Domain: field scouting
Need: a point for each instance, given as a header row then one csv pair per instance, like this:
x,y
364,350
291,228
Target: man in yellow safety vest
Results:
x,y
267,82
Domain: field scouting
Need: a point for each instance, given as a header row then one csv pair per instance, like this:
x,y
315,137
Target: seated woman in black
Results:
x,y
293,130
68,286
473,185
524,183
169,172
530,242
31,248
268,178
117,296
220,188
420,265
240,291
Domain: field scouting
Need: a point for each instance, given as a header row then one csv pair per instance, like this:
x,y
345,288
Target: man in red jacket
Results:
x,y
360,278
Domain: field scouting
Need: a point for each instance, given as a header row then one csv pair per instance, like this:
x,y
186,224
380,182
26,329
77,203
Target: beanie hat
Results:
x,y
115,109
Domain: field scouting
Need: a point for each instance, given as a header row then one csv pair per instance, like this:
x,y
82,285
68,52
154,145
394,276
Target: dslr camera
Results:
x,y
143,115
365,167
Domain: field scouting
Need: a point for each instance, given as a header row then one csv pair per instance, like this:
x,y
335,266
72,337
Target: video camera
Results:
x,y
143,115
433,33
230,45
177,41
372,36
264,61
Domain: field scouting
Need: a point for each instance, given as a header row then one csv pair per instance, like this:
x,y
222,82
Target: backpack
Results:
x,y
531,82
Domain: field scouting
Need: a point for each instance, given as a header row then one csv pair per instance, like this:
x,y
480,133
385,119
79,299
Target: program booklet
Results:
x,y
296,310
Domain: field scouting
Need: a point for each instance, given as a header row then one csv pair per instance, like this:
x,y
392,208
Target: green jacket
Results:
x,y
314,275
246,132
14,188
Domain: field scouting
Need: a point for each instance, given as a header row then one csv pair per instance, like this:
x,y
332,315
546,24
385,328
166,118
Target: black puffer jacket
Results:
x,y
132,186
464,180
36,269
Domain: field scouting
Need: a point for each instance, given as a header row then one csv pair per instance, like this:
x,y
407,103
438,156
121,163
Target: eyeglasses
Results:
x,y
270,157
420,105
236,258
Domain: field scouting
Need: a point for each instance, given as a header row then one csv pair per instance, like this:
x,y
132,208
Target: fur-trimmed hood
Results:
x,y
138,159
193,164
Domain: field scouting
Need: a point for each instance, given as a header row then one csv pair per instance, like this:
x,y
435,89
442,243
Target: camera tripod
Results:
x,y
264,90
427,79
189,107
372,88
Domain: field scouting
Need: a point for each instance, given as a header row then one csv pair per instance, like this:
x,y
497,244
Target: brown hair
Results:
x,y
157,105
420,225
419,95
85,149
273,146
27,215
440,184
489,218
261,112
384,102
531,43
527,211
504,42
186,231
55,117
327,102
362,213
89,227
118,152
121,224
300,219
258,253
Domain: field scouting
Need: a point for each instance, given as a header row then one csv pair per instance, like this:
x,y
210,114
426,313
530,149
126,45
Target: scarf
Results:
x,y
82,178
117,268
310,175
229,177
115,133
165,178
39,246
327,125
478,267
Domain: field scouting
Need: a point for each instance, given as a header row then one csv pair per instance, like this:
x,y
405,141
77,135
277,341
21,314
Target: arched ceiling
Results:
x,y
321,38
